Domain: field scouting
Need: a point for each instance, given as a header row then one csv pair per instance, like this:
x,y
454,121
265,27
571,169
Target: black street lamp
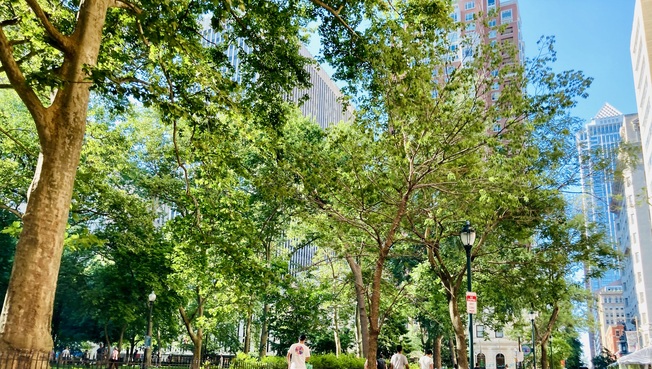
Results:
x,y
467,236
534,347
148,337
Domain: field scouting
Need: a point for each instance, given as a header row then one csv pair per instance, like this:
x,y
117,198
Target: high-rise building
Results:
x,y
641,54
634,237
597,143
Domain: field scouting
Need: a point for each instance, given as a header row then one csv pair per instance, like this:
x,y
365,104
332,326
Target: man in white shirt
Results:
x,y
426,361
399,361
298,354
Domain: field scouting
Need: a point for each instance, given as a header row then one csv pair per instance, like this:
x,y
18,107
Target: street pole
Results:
x,y
468,288
148,337
534,347
467,236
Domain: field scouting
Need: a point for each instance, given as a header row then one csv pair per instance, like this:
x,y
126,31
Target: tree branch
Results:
x,y
336,14
12,210
6,133
60,40
17,79
125,5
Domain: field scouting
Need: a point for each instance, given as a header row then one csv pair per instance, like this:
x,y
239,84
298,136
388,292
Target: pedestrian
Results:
x,y
298,354
380,362
115,357
426,361
398,360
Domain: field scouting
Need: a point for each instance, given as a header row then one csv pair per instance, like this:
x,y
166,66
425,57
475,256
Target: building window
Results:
x,y
492,23
506,16
497,127
469,5
491,3
468,52
494,96
492,33
455,17
470,26
500,361
495,86
481,361
468,17
479,330
499,334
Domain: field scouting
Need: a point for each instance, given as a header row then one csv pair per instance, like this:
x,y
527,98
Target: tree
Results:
x,y
603,360
426,153
53,54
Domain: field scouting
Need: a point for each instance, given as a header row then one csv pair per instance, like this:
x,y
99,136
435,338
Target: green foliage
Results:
x,y
330,361
603,360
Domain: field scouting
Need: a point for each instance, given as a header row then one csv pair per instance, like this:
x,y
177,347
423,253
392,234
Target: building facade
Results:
x,y
634,237
597,143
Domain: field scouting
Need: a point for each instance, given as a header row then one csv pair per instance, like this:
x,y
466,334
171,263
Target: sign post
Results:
x,y
471,302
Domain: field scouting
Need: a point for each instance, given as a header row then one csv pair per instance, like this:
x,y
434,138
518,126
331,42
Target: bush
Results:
x,y
330,361
327,361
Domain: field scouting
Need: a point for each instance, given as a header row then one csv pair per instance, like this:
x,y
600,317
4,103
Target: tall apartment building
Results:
x,y
641,54
634,237
498,13
611,314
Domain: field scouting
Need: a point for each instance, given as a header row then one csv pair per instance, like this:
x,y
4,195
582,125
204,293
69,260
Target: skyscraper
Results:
x,y
634,238
641,54
597,144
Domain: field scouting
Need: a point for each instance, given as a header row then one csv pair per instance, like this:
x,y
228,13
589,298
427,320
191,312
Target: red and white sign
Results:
x,y
471,303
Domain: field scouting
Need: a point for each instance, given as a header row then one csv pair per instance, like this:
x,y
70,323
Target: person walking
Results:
x,y
298,354
426,361
398,360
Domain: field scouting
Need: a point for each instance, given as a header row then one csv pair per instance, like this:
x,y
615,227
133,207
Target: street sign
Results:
x,y
471,302
526,349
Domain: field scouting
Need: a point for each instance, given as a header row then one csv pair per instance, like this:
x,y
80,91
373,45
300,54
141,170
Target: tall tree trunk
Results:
x,y
358,333
196,351
451,346
437,351
362,306
264,331
27,311
544,355
460,333
196,336
247,333
336,333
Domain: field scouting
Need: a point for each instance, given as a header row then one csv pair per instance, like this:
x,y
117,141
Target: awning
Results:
x,y
642,356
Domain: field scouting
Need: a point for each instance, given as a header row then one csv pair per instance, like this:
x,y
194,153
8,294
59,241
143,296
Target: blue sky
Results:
x,y
592,36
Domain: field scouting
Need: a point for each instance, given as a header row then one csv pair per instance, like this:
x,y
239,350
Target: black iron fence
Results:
x,y
43,361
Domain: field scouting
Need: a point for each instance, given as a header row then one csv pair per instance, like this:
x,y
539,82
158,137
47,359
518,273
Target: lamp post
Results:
x,y
534,347
467,236
148,337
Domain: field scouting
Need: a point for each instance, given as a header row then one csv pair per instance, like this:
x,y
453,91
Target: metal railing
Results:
x,y
30,360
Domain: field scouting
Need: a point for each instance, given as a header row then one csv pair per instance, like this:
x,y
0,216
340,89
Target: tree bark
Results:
x,y
451,345
336,333
28,305
247,337
460,333
264,332
437,351
362,306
